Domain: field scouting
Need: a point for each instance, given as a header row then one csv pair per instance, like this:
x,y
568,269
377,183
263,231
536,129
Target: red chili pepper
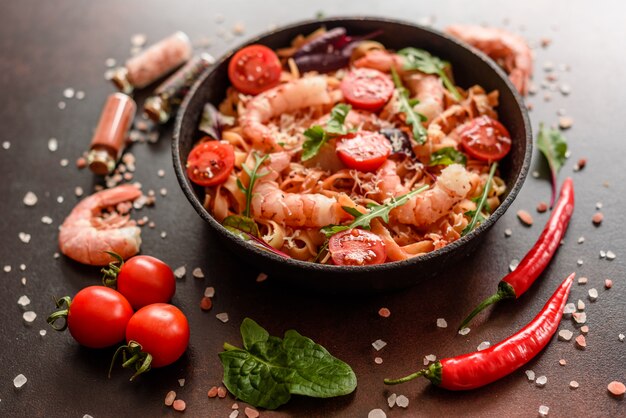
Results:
x,y
473,370
514,284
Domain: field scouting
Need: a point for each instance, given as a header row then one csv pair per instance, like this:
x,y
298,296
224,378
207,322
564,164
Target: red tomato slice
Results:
x,y
485,138
368,89
363,150
254,69
210,162
356,247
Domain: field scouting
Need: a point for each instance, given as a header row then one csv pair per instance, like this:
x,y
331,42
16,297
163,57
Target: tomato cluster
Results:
x,y
138,311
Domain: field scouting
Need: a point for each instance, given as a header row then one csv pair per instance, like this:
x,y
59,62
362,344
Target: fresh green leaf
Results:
x,y
418,59
477,214
553,146
447,156
352,211
317,136
254,175
269,370
330,230
242,223
413,118
486,207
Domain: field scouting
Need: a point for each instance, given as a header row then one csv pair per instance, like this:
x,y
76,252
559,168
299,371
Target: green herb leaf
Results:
x,y
330,230
254,176
413,118
418,59
477,214
447,156
553,146
269,370
242,223
317,136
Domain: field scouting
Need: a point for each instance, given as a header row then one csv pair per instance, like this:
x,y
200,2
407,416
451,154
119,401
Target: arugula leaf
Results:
x,y
213,122
242,223
447,156
553,146
317,136
254,175
477,215
268,370
418,59
406,106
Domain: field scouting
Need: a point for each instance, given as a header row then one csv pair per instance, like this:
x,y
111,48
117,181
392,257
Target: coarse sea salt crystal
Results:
x,y
513,265
621,337
209,292
391,400
610,255
530,375
19,381
7,269
580,317
565,335
541,381
24,237
544,410
30,199
43,332
46,220
582,280
6,145
379,344
402,401
484,345
222,316
378,360
569,309
581,240
181,382
580,305
80,95
574,384
593,294
464,331
377,413
53,144
441,323
508,232
431,357
234,414
180,272
29,316
23,300
197,273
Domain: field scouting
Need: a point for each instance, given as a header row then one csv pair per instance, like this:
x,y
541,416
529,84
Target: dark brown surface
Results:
x,y
46,47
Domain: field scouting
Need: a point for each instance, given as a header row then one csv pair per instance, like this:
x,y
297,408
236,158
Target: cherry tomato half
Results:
x,y
363,150
144,280
366,88
254,69
485,138
210,163
162,331
356,247
98,317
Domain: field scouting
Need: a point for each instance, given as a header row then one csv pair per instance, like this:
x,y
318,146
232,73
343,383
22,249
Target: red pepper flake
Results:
x,y
597,218
179,405
608,283
251,413
562,362
206,304
525,217
582,163
616,388
81,163
581,342
221,392
384,312
212,392
542,207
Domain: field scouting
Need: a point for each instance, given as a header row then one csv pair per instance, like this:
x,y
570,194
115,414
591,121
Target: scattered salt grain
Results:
x,y
484,345
198,273
209,292
593,294
530,375
64,162
608,283
170,397
234,406
610,255
441,323
377,413
378,360
579,317
7,269
29,316
163,191
43,332
30,199
6,145
161,173
464,331
525,217
181,382
513,264
23,281
19,381
379,345
22,267
402,401
234,414
24,237
584,329
582,280
508,232
222,316
569,309
602,254
80,95
580,305
87,416
574,384
431,358
23,301
68,93
78,191
535,174
621,337
562,362
46,220
180,272
565,335
138,39
565,122
110,62
179,405
163,234
581,240
212,393
542,207
221,392
261,277
391,400
61,105
616,388
579,262
581,342
544,410
384,312
60,199
541,381
565,89
239,28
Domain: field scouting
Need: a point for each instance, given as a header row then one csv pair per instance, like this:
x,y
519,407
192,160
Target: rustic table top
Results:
x,y
47,47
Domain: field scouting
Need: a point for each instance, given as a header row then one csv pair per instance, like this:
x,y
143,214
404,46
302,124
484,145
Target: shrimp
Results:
x,y
453,185
269,202
507,49
382,61
85,234
285,98
429,90
388,181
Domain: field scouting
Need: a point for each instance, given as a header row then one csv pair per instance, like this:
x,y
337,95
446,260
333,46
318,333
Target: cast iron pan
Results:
x,y
470,67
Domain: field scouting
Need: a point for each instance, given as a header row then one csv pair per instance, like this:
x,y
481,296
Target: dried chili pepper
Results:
x,y
514,284
473,370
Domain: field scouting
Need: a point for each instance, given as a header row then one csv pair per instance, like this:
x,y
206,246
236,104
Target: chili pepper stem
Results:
x,y
406,378
432,373
505,291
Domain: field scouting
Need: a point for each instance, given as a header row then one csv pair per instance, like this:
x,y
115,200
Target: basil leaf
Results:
x,y
447,156
213,122
553,146
269,370
418,59
316,138
337,119
412,117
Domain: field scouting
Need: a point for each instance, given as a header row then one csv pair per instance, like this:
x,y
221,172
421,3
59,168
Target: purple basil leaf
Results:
x,y
213,122
399,140
321,62
323,44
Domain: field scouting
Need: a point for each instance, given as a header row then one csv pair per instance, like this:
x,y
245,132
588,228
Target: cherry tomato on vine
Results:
x,y
254,69
97,316
144,280
210,163
367,89
356,247
485,138
363,150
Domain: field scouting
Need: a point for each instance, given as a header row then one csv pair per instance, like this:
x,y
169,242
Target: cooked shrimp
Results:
x,y
509,50
388,182
86,234
269,202
429,90
285,98
453,185
381,61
